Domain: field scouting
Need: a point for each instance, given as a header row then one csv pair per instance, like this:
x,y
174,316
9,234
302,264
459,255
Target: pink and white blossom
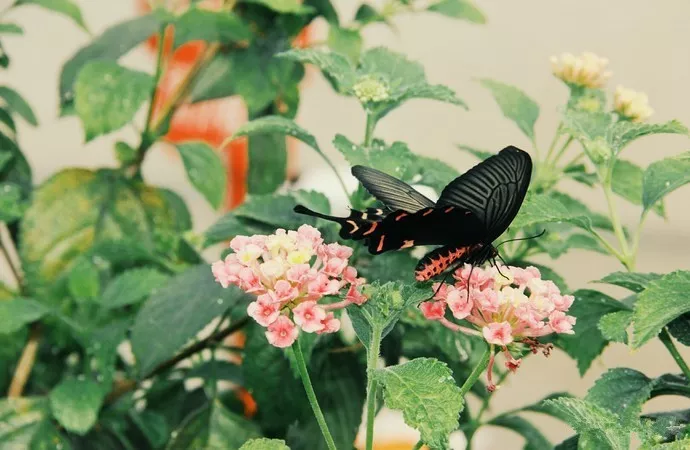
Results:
x,y
282,333
308,316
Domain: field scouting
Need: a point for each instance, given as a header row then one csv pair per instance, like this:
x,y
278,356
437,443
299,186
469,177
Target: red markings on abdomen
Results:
x,y
436,263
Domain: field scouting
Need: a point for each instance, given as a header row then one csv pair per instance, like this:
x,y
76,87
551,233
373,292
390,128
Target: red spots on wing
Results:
x,y
380,247
437,265
449,209
400,216
371,230
407,244
428,212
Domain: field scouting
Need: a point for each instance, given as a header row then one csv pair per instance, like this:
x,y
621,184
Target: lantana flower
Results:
x,y
587,70
506,307
631,105
290,272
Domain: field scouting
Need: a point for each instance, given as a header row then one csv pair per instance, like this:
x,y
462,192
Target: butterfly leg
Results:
x,y
493,261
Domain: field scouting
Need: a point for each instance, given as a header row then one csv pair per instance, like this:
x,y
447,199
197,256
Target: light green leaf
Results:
x,y
663,177
11,28
544,208
115,42
662,301
265,444
204,169
544,407
624,132
132,287
17,104
425,391
75,404
634,281
16,313
614,326
186,304
577,207
198,24
344,41
84,280
11,204
623,392
515,105
683,444
587,343
458,9
626,181
579,173
108,96
284,6
124,153
335,67
534,439
267,163
366,14
8,121
65,7
22,419
599,427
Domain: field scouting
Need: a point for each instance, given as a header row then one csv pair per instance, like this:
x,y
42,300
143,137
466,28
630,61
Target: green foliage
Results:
x,y
11,204
265,444
16,103
204,170
132,287
198,24
636,282
284,6
75,404
663,177
515,105
65,7
622,392
23,420
458,9
16,313
627,182
267,163
614,326
534,439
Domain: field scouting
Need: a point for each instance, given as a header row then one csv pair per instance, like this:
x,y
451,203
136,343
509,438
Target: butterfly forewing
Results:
x,y
394,193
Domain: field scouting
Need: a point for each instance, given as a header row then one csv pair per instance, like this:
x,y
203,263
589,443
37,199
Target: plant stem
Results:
x,y
26,363
369,132
611,249
617,227
476,372
311,395
632,256
372,362
560,152
485,402
552,146
16,272
665,337
418,445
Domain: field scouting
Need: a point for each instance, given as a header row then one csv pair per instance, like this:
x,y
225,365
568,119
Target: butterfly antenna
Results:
x,y
522,239
502,260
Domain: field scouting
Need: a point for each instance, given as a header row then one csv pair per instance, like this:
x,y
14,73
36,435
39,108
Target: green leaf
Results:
x,y
204,169
614,326
569,444
213,427
335,67
115,42
198,24
534,439
17,104
267,163
544,407
391,266
186,304
108,96
265,444
481,154
284,6
458,9
84,280
680,329
664,300
11,28
218,370
75,404
624,132
64,7
344,41
15,169
425,391
153,426
124,153
22,419
626,181
663,177
366,14
634,281
579,173
132,286
599,427
11,204
324,8
8,121
622,391
544,208
16,313
588,342
515,105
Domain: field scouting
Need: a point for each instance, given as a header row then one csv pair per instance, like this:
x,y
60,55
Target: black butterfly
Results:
x,y
472,211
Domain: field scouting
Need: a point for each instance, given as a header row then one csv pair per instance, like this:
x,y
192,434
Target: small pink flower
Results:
x,y
433,310
250,282
335,266
264,310
561,323
488,301
459,304
282,333
334,250
440,293
284,291
354,296
350,275
330,324
499,333
300,273
323,285
309,235
524,276
220,273
309,316
562,302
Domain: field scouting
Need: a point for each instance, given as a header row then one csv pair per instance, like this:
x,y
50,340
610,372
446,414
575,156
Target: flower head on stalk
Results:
x,y
514,305
631,105
290,272
587,70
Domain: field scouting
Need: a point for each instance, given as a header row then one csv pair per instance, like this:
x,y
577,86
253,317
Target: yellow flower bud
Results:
x,y
631,105
587,70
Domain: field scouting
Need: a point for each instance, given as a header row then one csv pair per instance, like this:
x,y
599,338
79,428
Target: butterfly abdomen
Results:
x,y
358,225
437,261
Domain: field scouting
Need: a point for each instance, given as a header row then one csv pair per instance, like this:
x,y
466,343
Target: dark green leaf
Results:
x,y
680,329
623,392
204,169
614,326
459,9
335,67
534,439
8,121
324,8
664,300
515,105
284,6
152,425
132,287
265,444
635,281
22,420
626,181
17,104
15,169
16,313
569,444
125,153
347,42
580,174
108,95
670,384
75,404
267,163
186,304
65,7
663,177
218,370
391,266
11,204
366,14
198,24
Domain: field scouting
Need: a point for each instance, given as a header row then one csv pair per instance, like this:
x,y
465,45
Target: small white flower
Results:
x,y
273,268
277,242
631,105
587,70
249,254
370,89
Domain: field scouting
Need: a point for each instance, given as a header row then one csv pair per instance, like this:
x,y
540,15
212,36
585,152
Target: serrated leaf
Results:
x,y
663,177
75,404
284,6
544,407
598,426
186,304
623,392
11,205
335,67
425,391
204,169
16,313
267,163
131,287
544,208
265,444
534,439
664,300
614,326
11,28
198,24
347,42
65,7
588,342
17,104
108,95
115,42
22,419
391,266
623,133
634,281
626,181
515,105
458,9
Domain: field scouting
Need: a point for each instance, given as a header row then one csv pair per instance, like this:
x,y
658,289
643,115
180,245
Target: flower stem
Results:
x,y
369,132
617,227
476,372
26,363
372,361
560,152
311,395
671,347
418,445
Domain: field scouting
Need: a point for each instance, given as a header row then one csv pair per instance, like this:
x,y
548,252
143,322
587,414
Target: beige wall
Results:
x,y
646,42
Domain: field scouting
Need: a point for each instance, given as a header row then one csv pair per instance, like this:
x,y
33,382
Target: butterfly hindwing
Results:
x,y
394,193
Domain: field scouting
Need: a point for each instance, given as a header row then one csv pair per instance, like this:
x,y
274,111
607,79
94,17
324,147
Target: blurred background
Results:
x,y
646,43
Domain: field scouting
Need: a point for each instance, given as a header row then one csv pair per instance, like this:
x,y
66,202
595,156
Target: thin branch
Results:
x,y
9,252
26,363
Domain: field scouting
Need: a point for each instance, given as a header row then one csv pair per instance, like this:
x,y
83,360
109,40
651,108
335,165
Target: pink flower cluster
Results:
x,y
290,271
513,305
